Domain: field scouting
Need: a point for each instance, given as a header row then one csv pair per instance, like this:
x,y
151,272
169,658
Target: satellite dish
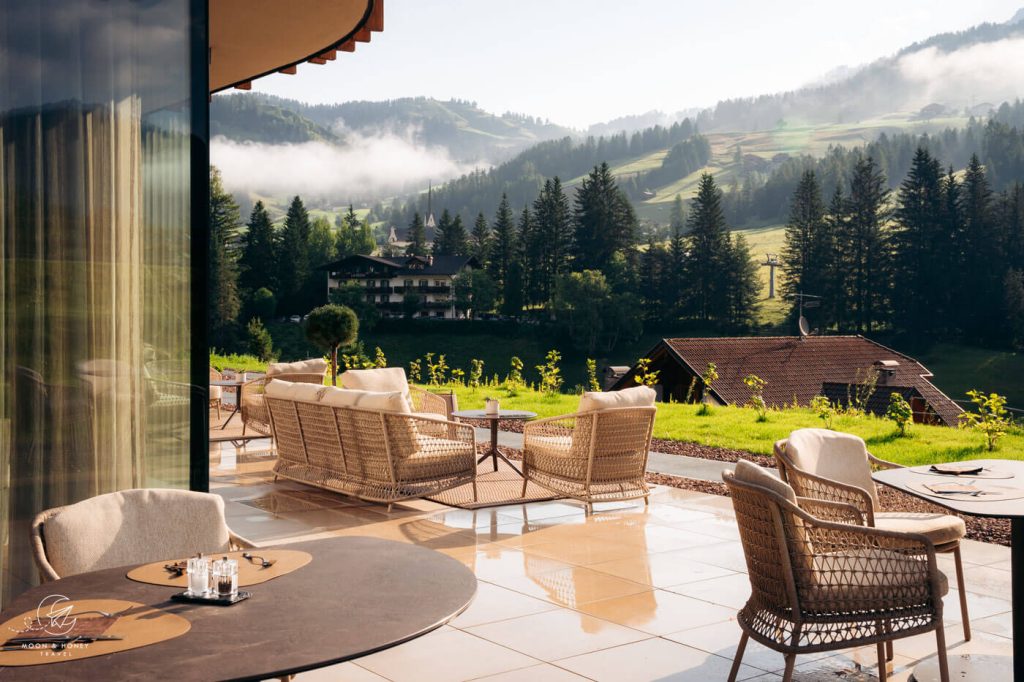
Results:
x,y
805,328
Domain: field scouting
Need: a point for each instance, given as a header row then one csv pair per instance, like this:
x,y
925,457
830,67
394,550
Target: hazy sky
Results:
x,y
579,62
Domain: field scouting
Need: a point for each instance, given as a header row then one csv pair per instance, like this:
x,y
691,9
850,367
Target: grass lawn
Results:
x,y
736,428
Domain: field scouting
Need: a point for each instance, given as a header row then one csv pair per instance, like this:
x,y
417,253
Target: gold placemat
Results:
x,y
988,491
249,573
137,624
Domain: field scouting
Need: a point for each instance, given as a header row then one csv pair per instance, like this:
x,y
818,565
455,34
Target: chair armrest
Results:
x,y
238,542
828,510
549,429
882,463
425,401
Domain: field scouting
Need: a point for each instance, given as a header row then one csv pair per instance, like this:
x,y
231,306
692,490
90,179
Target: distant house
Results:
x,y
388,281
797,369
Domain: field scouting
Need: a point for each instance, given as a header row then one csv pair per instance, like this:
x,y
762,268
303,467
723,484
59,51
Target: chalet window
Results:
x,y
407,283
439,283
424,283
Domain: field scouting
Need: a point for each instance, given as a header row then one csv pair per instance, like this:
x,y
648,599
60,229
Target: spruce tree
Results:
x,y
867,245
345,237
980,310
835,293
531,258
675,284
554,235
919,240
223,302
450,238
604,220
258,263
708,254
743,285
480,240
808,250
504,244
293,264
417,237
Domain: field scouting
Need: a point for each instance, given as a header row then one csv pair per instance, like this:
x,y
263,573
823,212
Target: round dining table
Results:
x,y
357,596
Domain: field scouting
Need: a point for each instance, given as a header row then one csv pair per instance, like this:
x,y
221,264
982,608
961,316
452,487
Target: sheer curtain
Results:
x,y
94,269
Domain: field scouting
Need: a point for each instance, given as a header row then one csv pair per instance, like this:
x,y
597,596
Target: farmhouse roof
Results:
x,y
796,367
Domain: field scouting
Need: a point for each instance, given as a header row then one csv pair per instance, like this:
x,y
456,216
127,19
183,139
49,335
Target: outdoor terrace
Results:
x,y
627,593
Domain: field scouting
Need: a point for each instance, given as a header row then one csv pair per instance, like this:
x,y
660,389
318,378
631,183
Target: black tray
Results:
x,y
211,599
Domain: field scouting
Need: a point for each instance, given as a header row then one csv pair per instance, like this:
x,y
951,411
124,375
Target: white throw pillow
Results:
x,y
312,366
289,390
638,396
382,379
385,401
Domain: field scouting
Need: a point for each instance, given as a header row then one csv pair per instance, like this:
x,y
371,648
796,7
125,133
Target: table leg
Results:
x,y
238,407
494,453
1017,583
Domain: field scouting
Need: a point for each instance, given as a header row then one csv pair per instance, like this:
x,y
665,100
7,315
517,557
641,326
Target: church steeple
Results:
x,y
430,211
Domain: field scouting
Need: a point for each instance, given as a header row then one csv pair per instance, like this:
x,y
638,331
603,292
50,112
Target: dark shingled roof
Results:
x,y
796,367
439,265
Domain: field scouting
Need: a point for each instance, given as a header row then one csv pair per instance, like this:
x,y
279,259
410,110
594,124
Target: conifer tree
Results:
x,y
258,263
743,286
417,237
708,253
919,240
450,238
345,237
554,235
504,244
807,254
531,258
675,284
604,220
981,309
865,243
223,301
480,240
835,296
294,265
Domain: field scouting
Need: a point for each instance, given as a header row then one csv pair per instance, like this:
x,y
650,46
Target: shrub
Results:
x,y
437,372
358,359
458,376
550,374
824,409
991,418
756,385
644,375
899,411
592,383
259,342
379,359
330,326
263,304
514,381
476,372
709,377
415,371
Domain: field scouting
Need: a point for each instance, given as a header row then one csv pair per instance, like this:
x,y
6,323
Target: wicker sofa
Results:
x,y
597,454
254,409
368,444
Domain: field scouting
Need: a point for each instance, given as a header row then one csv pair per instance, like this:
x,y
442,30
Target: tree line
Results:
x,y
265,270
941,257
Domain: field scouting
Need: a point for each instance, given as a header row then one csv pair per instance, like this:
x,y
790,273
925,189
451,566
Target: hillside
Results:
x,y
466,132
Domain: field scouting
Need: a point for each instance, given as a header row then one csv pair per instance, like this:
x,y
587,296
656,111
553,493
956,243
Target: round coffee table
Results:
x,y
494,453
357,596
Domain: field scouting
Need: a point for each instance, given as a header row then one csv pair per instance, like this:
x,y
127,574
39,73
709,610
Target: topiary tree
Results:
x,y
329,327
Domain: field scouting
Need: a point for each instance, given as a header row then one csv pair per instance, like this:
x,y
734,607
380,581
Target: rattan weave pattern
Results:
x,y
818,585
372,455
590,456
255,414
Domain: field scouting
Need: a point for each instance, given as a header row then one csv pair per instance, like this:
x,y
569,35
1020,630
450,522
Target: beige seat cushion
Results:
x,y
382,379
311,366
853,582
134,527
386,401
288,390
748,472
424,464
841,457
638,396
941,529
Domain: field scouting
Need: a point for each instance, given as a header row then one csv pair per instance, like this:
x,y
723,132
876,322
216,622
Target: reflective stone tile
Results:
x,y
569,587
657,612
557,634
663,569
536,673
493,603
653,659
732,590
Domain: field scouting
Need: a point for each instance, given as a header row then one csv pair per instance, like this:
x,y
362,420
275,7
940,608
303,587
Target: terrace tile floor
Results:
x,y
628,593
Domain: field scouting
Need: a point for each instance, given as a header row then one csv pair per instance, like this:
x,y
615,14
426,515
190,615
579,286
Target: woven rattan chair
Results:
x,y
591,456
255,415
836,467
821,585
129,527
216,392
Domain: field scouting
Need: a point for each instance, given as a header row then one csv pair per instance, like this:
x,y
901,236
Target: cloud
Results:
x,y
366,165
981,72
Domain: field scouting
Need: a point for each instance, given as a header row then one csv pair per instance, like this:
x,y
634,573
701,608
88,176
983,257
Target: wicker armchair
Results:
x,y
591,456
821,585
216,392
129,527
825,465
